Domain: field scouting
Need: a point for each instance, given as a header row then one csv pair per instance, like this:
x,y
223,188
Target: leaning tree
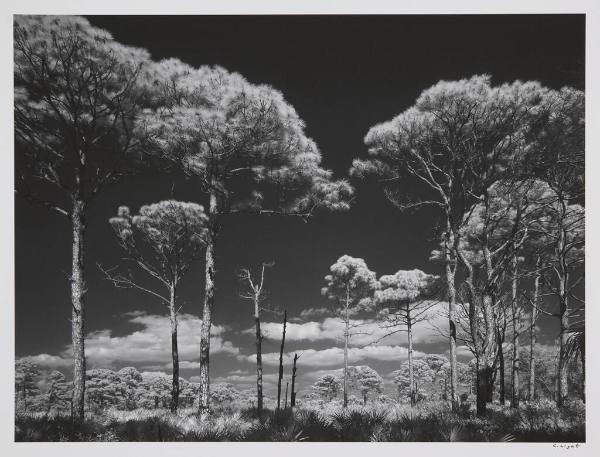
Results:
x,y
162,242
404,299
245,148
76,100
350,286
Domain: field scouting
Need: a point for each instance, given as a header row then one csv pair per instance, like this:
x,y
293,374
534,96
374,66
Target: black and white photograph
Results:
x,y
310,227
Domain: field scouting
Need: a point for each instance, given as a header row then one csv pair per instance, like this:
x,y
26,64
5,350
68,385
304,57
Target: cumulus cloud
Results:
x,y
49,361
151,344
335,355
315,312
366,331
247,377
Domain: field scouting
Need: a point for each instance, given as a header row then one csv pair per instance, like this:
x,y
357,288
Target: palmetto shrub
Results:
x,y
428,421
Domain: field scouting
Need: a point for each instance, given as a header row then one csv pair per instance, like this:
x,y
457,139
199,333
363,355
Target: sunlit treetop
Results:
x,y
76,101
240,140
350,283
557,155
404,285
165,236
456,140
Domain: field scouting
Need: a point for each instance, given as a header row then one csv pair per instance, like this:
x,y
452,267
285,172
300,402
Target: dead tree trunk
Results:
x,y
259,369
77,311
174,351
293,394
209,299
287,384
281,361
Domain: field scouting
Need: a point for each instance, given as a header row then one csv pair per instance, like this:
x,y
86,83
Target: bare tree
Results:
x,y
280,376
256,293
293,394
162,242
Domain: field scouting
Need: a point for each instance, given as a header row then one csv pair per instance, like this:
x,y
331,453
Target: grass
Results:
x,y
428,421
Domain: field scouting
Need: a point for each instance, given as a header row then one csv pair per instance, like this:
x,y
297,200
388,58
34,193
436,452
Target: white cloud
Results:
x,y
335,355
366,331
151,344
315,312
247,377
49,361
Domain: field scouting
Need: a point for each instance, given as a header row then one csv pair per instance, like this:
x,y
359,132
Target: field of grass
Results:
x,y
428,421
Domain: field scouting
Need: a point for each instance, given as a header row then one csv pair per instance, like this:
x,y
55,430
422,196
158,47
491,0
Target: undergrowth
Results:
x,y
427,422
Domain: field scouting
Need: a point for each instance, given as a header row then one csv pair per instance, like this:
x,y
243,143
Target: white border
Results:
x,y
590,7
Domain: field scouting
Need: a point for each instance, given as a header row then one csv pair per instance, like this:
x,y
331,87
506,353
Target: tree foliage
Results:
x,y
76,104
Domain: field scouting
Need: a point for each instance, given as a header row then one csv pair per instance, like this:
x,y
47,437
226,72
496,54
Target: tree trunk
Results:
x,y
481,343
516,329
281,361
563,364
487,359
582,357
174,352
24,397
209,299
293,394
450,282
259,370
77,311
413,399
532,331
346,334
287,384
501,370
484,377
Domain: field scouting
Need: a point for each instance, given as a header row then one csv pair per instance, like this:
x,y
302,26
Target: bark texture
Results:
x,y
77,310
516,329
411,375
259,370
450,282
293,394
281,361
532,332
174,352
209,299
563,273
346,336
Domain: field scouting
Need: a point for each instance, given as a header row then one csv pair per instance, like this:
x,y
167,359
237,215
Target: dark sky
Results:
x,y
342,74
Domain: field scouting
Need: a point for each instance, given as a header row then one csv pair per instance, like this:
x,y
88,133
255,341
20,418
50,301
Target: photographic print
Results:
x,y
299,228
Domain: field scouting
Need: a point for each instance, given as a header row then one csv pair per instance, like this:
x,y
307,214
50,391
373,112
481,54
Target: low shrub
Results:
x,y
538,421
